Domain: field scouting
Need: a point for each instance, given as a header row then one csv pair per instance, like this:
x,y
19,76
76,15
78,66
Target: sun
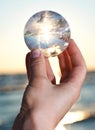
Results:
x,y
45,31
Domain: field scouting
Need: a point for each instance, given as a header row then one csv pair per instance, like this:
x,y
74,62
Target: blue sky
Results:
x,y
15,13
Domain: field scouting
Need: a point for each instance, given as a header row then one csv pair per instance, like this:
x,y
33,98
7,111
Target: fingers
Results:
x,y
75,79
68,61
78,63
75,54
72,65
35,64
48,68
65,64
28,65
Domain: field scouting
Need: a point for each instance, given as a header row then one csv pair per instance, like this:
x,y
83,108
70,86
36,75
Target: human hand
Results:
x,y
44,102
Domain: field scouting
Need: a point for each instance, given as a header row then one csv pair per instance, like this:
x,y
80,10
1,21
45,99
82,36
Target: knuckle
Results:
x,y
35,62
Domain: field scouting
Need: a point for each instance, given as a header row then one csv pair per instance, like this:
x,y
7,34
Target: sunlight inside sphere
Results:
x,y
48,31
45,29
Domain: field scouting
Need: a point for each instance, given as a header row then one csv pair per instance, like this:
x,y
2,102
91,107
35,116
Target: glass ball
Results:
x,y
48,31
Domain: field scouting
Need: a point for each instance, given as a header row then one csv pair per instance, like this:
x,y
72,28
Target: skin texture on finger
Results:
x,y
28,65
65,65
73,83
49,71
78,64
68,61
36,67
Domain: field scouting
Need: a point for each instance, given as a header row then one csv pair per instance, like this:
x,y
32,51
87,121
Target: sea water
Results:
x,y
11,92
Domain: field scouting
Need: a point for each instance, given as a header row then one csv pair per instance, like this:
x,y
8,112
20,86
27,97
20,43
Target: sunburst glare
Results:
x,y
46,30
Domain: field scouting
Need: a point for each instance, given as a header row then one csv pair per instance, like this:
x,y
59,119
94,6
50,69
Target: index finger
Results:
x,y
78,64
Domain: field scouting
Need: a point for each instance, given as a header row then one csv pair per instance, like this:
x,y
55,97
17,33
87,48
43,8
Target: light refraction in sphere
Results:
x,y
48,31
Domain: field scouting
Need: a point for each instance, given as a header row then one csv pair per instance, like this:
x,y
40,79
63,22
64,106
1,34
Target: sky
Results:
x,y
14,14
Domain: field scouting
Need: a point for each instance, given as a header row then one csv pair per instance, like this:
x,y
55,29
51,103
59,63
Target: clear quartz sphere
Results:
x,y
48,31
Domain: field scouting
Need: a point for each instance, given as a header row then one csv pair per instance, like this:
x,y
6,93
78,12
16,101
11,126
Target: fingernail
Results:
x,y
35,53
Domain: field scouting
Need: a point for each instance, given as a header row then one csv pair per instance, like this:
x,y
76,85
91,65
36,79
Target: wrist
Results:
x,y
38,121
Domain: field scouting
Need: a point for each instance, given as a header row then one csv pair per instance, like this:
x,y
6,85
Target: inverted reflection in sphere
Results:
x,y
48,31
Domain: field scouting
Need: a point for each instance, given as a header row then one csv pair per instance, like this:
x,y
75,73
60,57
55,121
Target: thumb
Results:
x,y
37,64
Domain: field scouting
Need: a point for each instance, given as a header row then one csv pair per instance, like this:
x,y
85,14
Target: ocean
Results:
x,y
80,117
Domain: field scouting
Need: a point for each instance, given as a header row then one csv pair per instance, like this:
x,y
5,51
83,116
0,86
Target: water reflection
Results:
x,y
72,117
82,113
